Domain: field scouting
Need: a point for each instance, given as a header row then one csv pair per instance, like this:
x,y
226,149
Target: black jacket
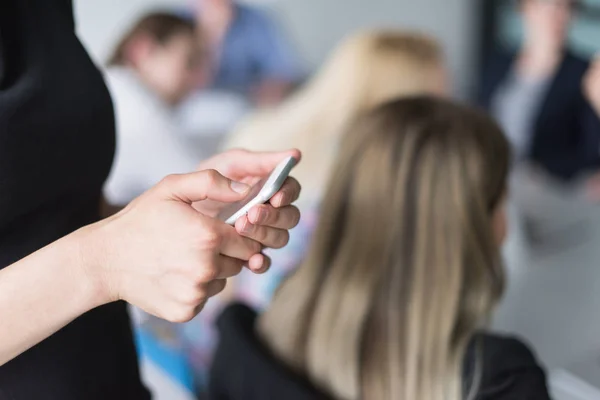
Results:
x,y
566,137
243,368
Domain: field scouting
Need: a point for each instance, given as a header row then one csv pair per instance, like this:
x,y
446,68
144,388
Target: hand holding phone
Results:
x,y
259,193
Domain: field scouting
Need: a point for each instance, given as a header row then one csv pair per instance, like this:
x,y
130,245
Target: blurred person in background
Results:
x,y
403,274
366,70
536,94
249,53
154,67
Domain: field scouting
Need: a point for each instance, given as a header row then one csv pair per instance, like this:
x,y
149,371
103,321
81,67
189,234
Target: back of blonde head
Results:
x,y
366,70
404,265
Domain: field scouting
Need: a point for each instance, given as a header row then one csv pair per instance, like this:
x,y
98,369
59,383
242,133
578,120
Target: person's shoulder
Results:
x,y
137,108
123,84
252,14
505,351
576,63
509,369
577,58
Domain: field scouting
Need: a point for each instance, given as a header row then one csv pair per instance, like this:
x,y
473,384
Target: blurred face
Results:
x,y
173,69
547,20
215,3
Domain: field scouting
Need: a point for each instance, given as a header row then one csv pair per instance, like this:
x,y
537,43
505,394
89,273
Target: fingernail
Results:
x,y
248,227
239,187
283,198
262,215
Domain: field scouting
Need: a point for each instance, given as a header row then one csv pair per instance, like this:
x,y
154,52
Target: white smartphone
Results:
x,y
259,193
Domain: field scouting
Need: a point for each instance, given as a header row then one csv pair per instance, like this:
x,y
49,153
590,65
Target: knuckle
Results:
x,y
262,235
218,286
182,314
212,177
211,239
193,299
267,214
169,180
236,268
255,247
276,216
236,152
206,274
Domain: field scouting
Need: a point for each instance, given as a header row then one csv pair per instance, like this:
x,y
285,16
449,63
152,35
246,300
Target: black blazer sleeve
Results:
x,y
590,128
495,70
510,370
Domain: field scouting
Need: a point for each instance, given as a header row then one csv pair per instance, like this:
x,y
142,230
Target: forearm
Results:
x,y
42,293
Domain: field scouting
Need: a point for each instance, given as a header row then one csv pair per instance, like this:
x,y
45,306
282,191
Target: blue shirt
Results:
x,y
254,50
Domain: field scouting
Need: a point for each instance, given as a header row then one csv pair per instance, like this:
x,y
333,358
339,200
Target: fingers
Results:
x,y
268,237
259,263
228,267
211,289
269,225
289,193
187,302
202,185
215,287
235,246
265,215
244,163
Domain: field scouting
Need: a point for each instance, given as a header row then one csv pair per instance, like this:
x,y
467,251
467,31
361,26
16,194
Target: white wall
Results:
x,y
100,23
314,25
317,25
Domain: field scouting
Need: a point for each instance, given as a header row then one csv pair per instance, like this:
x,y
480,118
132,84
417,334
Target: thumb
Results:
x,y
202,185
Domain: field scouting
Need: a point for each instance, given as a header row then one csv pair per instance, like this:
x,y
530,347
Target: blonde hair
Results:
x,y
404,265
366,70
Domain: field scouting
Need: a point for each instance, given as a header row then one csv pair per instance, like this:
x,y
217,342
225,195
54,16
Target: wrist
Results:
x,y
89,263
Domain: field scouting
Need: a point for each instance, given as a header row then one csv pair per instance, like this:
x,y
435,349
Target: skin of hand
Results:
x,y
268,223
167,254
